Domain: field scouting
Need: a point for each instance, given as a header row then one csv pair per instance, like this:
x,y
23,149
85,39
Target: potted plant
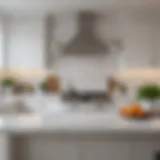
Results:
x,y
51,84
7,84
148,94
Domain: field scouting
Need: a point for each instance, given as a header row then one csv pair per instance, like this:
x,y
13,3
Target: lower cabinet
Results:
x,y
50,148
103,150
157,150
145,150
4,146
142,150
119,150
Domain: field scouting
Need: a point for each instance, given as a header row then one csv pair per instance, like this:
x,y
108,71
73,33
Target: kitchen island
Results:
x,y
79,136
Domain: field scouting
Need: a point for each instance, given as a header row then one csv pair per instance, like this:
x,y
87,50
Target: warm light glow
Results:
x,y
24,73
150,75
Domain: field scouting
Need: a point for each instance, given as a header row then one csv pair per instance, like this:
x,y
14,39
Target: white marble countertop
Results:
x,y
77,122
54,116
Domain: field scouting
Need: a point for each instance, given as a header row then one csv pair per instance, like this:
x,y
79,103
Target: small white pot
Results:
x,y
147,105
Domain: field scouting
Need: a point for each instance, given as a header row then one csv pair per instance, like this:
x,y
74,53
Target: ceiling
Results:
x,y
47,6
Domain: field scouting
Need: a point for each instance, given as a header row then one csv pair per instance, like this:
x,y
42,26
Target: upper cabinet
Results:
x,y
139,40
140,31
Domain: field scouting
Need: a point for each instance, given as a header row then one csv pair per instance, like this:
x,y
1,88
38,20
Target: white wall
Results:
x,y
139,31
26,43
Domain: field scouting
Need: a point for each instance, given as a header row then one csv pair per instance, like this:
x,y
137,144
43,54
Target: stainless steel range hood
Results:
x,y
86,41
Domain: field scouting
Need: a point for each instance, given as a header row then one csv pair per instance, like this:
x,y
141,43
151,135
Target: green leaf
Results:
x,y
8,82
149,92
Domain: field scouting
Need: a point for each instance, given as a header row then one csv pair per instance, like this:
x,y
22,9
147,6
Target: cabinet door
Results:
x,y
142,150
157,150
50,149
103,150
4,146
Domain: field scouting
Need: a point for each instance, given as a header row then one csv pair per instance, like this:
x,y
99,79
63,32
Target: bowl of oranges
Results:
x,y
134,111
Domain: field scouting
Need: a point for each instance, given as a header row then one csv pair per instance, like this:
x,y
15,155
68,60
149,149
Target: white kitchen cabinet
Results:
x,y
52,149
49,149
157,149
4,146
144,150
103,150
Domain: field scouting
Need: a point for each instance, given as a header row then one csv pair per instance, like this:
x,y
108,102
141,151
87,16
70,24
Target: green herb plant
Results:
x,y
8,82
149,92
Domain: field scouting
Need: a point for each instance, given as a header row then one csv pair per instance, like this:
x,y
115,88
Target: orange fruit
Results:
x,y
141,113
133,111
136,108
127,111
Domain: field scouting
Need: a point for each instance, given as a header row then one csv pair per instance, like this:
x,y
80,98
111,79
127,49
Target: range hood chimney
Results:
x,y
86,41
